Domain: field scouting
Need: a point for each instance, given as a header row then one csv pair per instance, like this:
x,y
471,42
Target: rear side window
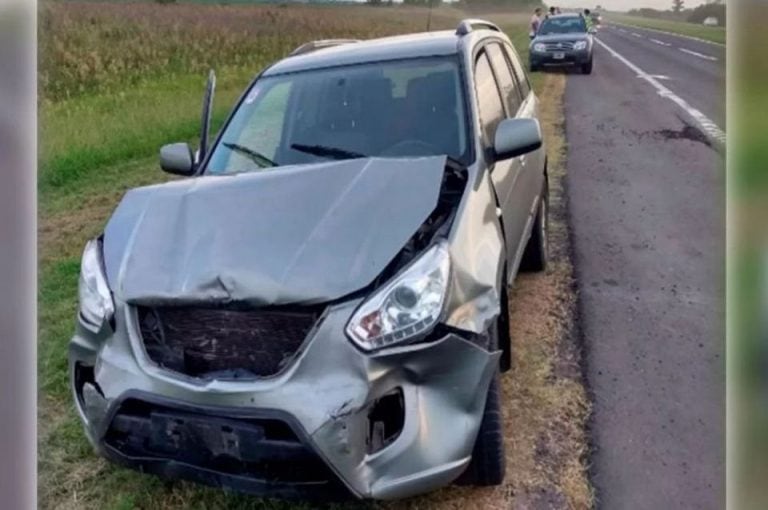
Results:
x,y
522,78
507,82
488,98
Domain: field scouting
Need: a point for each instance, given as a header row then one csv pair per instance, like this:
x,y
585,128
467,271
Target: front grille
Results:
x,y
559,46
223,342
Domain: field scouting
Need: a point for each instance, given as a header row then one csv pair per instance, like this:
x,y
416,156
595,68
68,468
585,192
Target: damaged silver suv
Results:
x,y
320,306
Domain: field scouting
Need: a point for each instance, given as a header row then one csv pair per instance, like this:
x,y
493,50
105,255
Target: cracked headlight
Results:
x,y
540,47
580,45
410,304
96,305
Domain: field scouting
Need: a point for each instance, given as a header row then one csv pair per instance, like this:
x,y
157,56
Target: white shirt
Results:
x,y
535,22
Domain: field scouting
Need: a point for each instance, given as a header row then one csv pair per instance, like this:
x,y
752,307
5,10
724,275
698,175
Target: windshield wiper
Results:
x,y
327,152
257,157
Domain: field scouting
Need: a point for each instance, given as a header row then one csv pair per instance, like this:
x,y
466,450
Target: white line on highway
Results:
x,y
695,54
660,42
707,125
621,30
636,34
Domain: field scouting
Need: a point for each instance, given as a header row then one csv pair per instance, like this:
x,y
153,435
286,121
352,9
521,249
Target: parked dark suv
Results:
x,y
563,40
320,306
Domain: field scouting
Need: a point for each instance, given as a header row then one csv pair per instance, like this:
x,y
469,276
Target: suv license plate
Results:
x,y
559,55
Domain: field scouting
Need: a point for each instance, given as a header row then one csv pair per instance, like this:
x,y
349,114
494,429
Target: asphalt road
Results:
x,y
646,198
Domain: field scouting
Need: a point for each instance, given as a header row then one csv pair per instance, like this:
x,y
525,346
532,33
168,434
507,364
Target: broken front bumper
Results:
x,y
326,403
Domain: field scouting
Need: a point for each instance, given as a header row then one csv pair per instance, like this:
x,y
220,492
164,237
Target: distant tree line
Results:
x,y
465,3
679,13
496,3
702,12
435,3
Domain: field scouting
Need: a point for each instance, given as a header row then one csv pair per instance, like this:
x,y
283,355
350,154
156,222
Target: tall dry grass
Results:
x,y
83,49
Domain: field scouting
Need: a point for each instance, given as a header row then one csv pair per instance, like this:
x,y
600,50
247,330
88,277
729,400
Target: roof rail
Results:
x,y
320,44
466,26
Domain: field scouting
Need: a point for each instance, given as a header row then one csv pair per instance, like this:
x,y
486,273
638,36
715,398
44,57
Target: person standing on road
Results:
x,y
535,22
551,11
588,19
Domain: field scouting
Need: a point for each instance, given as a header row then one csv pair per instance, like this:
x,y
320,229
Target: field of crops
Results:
x,y
118,80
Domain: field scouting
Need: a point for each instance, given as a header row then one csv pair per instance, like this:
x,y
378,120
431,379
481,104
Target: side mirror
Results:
x,y
176,158
515,137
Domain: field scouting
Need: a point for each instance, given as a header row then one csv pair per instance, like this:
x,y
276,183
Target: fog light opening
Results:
x,y
89,396
386,418
84,374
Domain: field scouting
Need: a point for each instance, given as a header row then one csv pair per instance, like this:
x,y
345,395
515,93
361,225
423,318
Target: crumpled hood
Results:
x,y
295,234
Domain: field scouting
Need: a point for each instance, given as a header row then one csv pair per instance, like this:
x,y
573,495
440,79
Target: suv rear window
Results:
x,y
401,108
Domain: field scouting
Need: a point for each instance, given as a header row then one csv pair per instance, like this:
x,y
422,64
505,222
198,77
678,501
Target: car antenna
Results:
x,y
210,87
429,16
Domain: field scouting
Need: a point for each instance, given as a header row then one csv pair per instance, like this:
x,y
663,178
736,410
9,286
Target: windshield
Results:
x,y
570,25
391,109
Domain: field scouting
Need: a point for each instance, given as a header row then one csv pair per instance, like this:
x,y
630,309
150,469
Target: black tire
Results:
x,y
535,254
533,68
488,463
505,363
587,68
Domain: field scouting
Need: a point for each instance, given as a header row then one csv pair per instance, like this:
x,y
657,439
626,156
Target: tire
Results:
x,y
488,463
505,363
587,68
535,254
533,68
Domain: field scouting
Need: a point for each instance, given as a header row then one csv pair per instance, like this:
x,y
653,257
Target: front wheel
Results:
x,y
587,68
535,254
488,463
533,67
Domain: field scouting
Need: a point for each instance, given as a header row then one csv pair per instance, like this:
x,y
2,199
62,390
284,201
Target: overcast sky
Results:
x,y
622,5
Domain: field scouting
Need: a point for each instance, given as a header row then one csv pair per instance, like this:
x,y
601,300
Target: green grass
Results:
x,y
748,198
89,132
751,177
714,34
94,147
58,285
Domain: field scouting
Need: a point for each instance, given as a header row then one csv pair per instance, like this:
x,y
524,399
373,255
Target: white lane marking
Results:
x,y
657,76
695,54
660,42
636,34
706,125
671,33
621,30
